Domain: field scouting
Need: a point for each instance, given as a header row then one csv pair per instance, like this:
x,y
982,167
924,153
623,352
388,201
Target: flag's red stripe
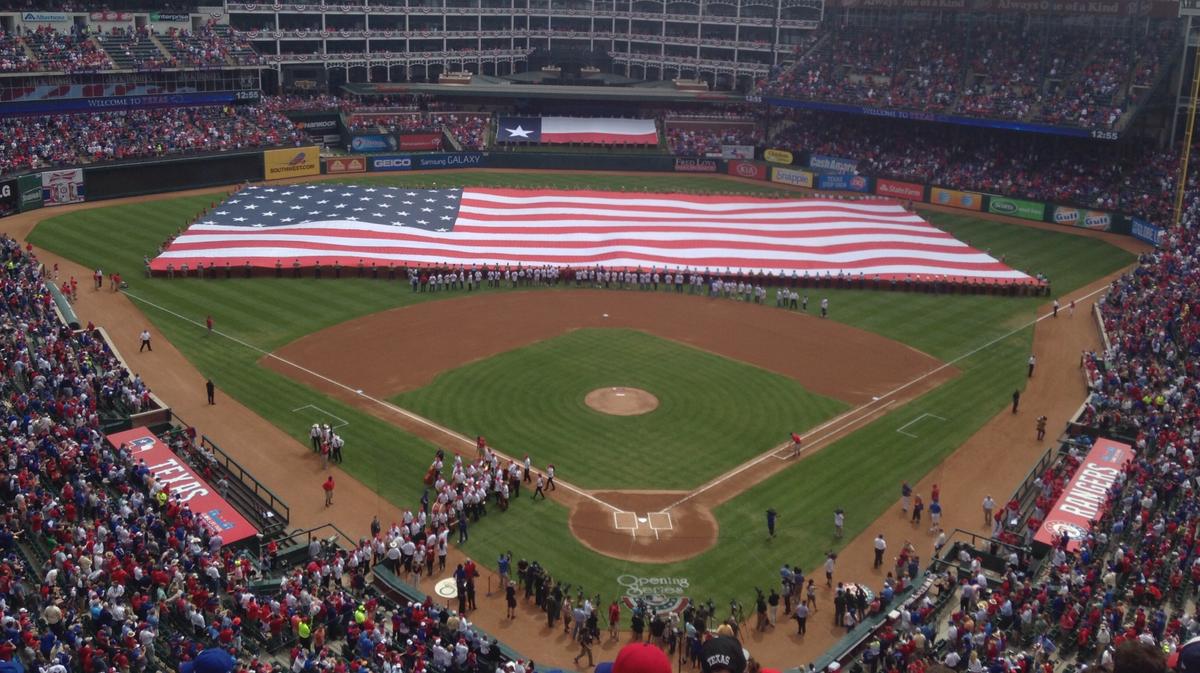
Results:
x,y
563,245
745,208
571,195
600,138
748,221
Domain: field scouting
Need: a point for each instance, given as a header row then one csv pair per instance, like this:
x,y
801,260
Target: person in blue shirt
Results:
x,y
771,516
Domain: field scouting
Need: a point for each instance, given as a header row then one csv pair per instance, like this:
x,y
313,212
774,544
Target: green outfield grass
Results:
x,y
713,413
859,473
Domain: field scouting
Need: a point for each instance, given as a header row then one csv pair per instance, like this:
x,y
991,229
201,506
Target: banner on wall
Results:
x,y
791,176
170,18
291,163
956,199
346,165
1144,231
1027,210
391,163
821,162
778,156
10,197
1086,496
737,151
30,192
687,165
216,514
1095,220
373,142
843,182
901,190
419,141
747,169
62,187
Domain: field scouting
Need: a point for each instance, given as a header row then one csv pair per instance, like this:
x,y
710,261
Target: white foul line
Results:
x,y
721,479
383,403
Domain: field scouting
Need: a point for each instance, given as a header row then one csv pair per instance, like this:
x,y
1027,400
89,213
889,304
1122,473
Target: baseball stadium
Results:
x,y
518,336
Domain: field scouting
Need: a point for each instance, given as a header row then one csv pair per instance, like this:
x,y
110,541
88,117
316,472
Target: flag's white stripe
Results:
x,y
269,234
566,254
582,222
883,268
614,126
840,207
676,215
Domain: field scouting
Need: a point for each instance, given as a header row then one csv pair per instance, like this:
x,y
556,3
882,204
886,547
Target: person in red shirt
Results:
x,y
328,487
208,322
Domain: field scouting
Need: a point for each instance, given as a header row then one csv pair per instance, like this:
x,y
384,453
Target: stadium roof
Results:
x,y
624,93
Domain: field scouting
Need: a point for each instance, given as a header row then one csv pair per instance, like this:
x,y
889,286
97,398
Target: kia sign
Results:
x,y
217,515
747,169
1086,497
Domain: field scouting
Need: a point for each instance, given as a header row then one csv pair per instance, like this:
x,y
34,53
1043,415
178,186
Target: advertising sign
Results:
x,y
747,169
448,160
111,17
1086,497
778,156
956,199
291,163
1144,231
30,192
821,162
61,187
901,190
391,163
348,165
1079,217
695,166
10,197
843,182
44,17
163,17
216,514
420,141
737,151
791,176
113,103
373,142
315,124
1028,210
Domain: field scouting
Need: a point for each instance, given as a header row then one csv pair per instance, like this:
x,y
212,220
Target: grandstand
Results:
x,y
1075,112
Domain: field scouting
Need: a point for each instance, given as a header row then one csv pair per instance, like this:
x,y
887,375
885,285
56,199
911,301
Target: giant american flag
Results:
x,y
322,224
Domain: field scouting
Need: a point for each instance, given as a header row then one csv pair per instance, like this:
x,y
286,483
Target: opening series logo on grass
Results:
x,y
658,594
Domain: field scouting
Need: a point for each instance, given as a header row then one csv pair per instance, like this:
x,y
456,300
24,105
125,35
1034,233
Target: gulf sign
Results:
x,y
1086,498
747,169
216,514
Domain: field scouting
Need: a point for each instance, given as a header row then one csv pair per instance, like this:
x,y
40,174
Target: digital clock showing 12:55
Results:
x,y
1106,135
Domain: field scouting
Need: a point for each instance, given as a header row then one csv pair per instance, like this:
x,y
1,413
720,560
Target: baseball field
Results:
x,y
401,373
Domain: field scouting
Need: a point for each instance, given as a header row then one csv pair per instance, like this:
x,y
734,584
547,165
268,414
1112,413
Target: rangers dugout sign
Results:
x,y
658,594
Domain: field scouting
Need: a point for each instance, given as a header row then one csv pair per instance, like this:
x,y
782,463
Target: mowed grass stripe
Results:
x,y
861,472
714,412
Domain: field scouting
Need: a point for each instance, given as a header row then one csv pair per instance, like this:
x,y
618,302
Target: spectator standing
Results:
x,y
328,488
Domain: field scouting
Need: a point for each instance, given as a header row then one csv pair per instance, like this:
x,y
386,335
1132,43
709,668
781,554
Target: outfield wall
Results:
x,y
829,175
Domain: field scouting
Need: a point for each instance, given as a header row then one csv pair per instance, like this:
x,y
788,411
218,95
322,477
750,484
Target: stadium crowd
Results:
x,y
67,140
1122,599
1085,78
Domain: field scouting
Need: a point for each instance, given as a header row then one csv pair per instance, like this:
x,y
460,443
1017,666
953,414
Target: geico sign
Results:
x,y
393,163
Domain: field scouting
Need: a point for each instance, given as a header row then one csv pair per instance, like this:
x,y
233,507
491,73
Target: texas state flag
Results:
x,y
580,130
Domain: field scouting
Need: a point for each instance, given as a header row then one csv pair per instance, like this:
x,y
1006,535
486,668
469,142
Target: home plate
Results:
x,y
359,391
641,519
605,315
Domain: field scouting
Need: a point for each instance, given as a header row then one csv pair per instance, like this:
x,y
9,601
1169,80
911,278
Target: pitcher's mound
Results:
x,y
621,401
